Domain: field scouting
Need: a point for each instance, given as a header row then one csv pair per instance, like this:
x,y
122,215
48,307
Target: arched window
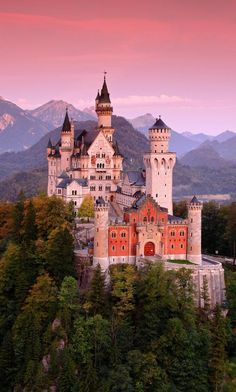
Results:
x,y
123,234
145,219
172,233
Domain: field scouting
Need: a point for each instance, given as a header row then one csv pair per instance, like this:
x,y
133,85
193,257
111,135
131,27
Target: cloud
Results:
x,y
149,99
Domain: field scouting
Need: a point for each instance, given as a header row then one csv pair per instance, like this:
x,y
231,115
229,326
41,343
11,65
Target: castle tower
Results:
x,y
67,143
101,234
194,249
104,111
159,163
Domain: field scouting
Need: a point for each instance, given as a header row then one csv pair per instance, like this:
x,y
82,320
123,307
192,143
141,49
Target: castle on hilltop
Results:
x,y
134,210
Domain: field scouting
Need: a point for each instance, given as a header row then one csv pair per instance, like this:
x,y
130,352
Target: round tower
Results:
x,y
101,234
194,246
159,163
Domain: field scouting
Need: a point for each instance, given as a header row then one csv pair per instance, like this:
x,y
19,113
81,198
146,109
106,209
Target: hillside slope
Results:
x,y
18,129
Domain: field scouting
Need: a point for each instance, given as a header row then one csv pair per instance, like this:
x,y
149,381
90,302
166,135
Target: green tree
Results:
x,y
96,297
217,352
69,304
59,254
91,345
30,327
86,209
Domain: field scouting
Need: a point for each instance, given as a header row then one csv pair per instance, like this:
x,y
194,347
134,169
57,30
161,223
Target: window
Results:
x,y
59,191
181,234
172,233
123,234
92,177
113,234
75,203
152,219
92,188
123,247
172,246
113,248
100,177
108,189
181,246
145,219
100,188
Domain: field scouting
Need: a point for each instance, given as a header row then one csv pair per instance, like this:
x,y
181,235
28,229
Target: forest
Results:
x,y
141,332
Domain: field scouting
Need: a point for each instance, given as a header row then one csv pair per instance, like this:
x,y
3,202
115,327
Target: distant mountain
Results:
x,y
206,156
131,143
18,129
197,137
91,112
178,142
224,136
143,123
53,113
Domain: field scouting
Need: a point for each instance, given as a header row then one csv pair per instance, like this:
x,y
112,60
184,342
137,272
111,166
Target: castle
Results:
x,y
133,211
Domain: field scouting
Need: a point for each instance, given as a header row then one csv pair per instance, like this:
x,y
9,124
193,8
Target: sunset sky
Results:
x,y
176,58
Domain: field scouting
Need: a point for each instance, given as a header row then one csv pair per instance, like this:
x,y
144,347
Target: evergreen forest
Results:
x,y
141,332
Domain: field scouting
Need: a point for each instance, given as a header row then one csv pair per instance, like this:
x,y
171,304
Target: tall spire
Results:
x,y
104,96
66,127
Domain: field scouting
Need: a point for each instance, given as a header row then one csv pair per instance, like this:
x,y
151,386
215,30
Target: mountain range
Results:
x,y
53,113
205,164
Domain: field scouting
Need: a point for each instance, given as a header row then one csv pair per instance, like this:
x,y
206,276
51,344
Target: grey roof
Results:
x,y
66,127
136,177
172,218
104,96
63,175
49,143
159,124
194,200
63,184
66,181
100,201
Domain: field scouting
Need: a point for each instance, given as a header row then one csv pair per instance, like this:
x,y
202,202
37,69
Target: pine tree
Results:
x,y
96,303
217,352
59,254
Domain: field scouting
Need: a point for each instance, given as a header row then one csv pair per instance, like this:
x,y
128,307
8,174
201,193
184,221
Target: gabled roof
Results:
x,y
172,218
136,177
159,124
67,181
63,175
66,127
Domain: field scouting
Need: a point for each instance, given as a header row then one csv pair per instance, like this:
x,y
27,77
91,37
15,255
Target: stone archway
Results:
x,y
149,249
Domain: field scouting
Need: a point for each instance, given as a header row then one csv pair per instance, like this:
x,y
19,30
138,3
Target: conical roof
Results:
x,y
159,124
49,143
98,96
104,96
66,127
195,200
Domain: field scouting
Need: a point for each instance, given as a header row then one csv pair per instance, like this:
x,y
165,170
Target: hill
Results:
x,y
131,142
205,156
53,113
18,129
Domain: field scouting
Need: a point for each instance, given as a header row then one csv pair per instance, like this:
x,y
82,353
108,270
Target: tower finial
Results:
x,y
105,73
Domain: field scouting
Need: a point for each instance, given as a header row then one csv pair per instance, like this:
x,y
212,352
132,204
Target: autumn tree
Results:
x,y
86,209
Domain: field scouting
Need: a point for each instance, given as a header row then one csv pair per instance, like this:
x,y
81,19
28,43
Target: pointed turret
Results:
x,y
104,110
49,143
105,96
66,127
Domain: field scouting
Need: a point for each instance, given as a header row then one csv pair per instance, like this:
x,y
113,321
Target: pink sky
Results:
x,y
176,58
